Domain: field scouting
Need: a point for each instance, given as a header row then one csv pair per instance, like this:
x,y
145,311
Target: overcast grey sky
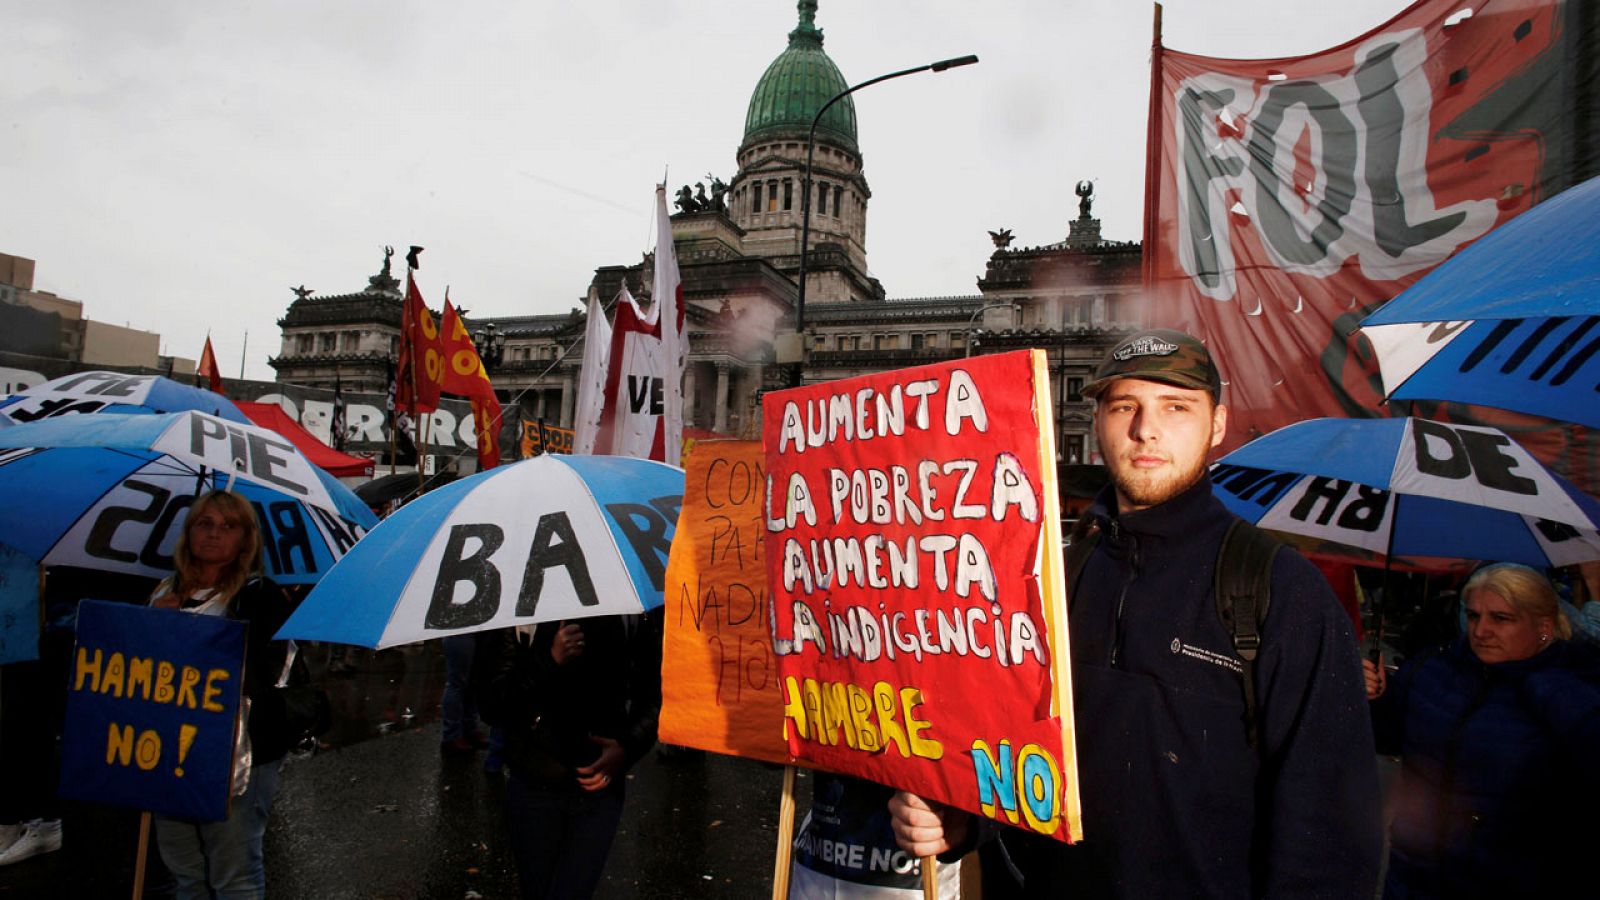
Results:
x,y
178,166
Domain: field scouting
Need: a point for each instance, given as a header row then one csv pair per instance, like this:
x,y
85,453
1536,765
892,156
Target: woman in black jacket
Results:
x,y
1497,737
579,702
218,573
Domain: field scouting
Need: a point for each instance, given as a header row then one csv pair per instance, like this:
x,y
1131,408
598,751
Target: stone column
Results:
x,y
721,412
754,378
568,399
689,396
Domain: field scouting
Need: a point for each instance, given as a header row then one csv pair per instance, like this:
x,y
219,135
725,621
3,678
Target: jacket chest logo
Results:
x,y
1226,661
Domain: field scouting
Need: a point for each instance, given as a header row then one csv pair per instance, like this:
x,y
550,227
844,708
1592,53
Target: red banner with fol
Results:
x,y
1287,198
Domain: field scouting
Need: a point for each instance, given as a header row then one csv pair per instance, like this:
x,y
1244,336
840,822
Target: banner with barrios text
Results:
x,y
919,613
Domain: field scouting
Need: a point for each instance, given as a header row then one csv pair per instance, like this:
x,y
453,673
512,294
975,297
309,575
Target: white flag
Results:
x,y
667,291
643,402
592,377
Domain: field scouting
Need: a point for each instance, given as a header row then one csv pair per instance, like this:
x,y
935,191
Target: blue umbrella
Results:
x,y
113,392
548,538
1410,487
1512,321
110,492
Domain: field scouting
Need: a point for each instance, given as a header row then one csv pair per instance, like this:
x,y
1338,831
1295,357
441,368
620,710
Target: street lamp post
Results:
x,y
805,200
491,346
978,312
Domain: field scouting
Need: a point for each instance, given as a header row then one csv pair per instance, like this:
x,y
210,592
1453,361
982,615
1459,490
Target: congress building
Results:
x,y
738,247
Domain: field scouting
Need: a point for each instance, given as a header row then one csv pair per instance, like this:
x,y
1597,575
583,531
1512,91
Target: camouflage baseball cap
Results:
x,y
1160,354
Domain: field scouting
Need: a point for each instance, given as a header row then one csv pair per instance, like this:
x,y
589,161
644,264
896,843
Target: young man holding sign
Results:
x,y
1189,788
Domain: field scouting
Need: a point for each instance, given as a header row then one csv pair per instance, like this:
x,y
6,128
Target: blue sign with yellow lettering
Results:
x,y
152,707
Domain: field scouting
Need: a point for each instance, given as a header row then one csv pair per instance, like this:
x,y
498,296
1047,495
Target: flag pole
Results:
x,y
421,440
242,353
393,430
417,439
1153,155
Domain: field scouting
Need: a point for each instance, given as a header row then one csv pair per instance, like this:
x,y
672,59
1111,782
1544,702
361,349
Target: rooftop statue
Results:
x,y
1085,193
686,202
719,189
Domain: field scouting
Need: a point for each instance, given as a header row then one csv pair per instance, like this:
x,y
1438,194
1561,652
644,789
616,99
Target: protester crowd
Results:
x,y
1256,777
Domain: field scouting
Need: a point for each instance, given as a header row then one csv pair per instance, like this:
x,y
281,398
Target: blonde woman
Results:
x,y
1497,736
218,573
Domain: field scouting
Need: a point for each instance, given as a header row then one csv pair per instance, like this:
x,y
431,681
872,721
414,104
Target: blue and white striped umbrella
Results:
x,y
113,392
1410,487
545,539
110,492
1512,321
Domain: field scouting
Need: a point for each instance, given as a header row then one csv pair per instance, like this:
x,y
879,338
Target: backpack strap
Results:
x,y
1244,594
1080,543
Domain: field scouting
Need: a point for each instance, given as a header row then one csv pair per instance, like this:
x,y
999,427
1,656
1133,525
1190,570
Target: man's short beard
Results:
x,y
1142,493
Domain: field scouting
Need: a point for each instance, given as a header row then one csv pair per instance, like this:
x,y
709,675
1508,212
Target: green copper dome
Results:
x,y
796,85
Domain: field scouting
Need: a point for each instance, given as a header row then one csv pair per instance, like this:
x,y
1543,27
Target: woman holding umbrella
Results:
x,y
1497,736
579,701
219,573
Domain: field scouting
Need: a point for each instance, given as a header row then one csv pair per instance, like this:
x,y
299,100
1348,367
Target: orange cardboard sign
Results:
x,y
719,677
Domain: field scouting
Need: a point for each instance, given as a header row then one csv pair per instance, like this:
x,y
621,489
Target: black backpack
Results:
x,y
1243,590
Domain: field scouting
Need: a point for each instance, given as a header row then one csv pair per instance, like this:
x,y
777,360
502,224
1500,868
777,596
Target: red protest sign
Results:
x,y
913,556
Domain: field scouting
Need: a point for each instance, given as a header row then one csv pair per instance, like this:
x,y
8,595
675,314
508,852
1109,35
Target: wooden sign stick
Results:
x,y
780,873
144,850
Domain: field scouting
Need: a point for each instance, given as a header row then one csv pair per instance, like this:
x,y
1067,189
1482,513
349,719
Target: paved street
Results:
x,y
379,813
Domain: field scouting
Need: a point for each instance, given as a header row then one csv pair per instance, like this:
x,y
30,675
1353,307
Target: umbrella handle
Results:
x,y
233,472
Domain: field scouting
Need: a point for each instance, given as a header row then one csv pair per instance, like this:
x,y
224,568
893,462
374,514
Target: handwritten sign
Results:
x,y
913,551
152,708
719,677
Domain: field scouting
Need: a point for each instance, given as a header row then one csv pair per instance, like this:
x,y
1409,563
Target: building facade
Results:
x,y
49,334
738,249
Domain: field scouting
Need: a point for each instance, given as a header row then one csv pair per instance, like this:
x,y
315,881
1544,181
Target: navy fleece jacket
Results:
x,y
1175,801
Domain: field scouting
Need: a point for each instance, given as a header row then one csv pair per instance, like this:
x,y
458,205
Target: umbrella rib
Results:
x,y
638,594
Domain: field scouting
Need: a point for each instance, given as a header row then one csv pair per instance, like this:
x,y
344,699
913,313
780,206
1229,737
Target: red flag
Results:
x,y
421,363
463,374
208,368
